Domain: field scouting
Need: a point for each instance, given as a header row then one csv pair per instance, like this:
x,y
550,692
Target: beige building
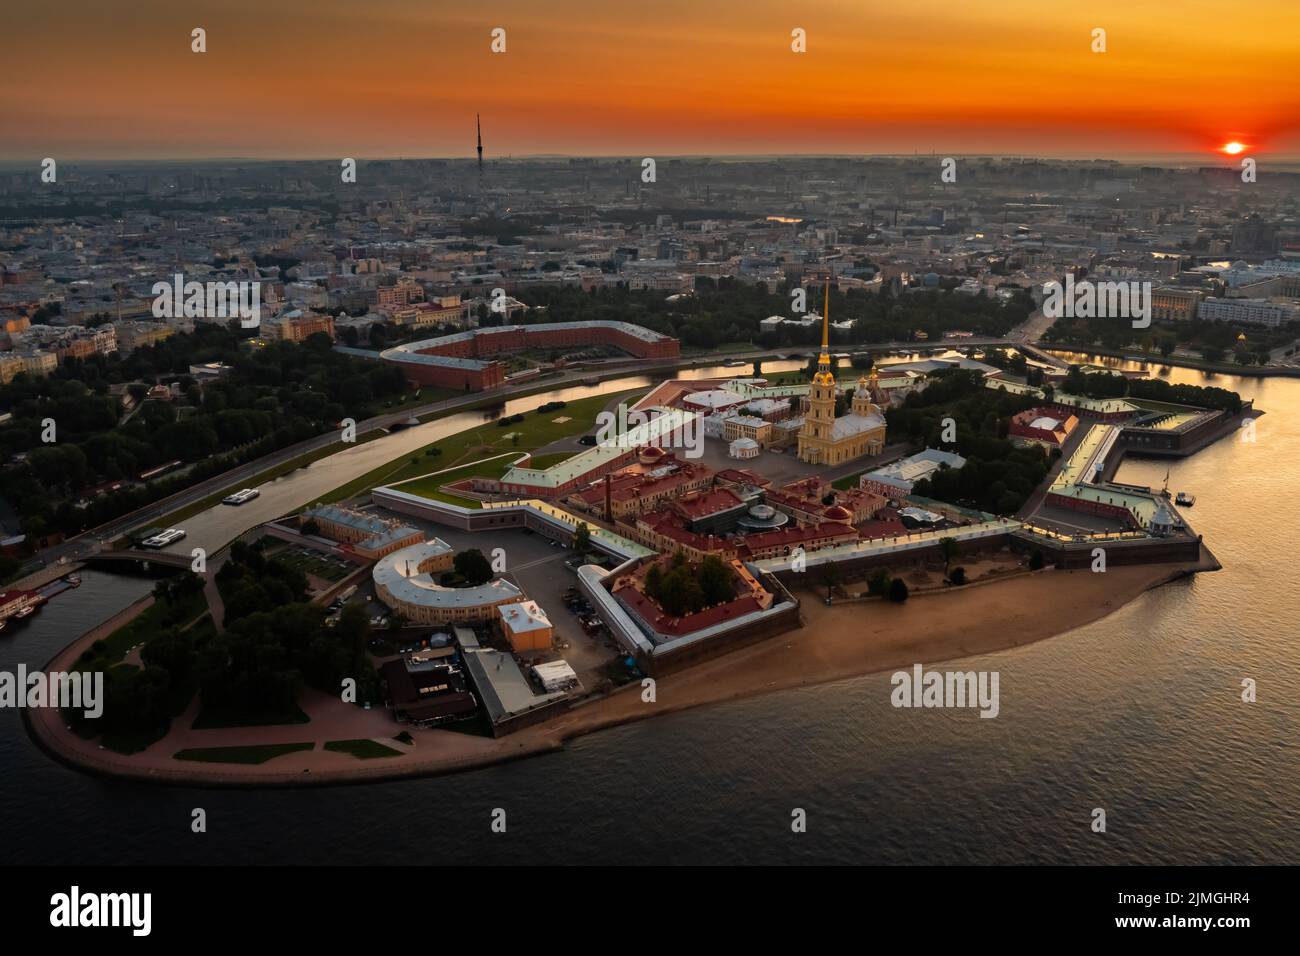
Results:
x,y
825,439
40,362
747,426
367,535
10,366
406,581
134,335
1174,305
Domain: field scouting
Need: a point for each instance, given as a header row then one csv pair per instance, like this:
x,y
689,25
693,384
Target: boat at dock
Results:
x,y
18,605
1185,499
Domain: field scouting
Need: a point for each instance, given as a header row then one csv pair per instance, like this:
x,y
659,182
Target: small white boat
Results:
x,y
1185,499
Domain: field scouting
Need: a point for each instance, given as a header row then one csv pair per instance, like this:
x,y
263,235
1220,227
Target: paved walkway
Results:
x,y
212,594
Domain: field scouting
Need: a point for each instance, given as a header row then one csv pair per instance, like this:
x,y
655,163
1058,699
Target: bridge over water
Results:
x,y
139,556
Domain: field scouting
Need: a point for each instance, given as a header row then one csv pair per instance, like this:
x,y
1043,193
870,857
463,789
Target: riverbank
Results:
x,y
1219,368
835,643
203,495
46,575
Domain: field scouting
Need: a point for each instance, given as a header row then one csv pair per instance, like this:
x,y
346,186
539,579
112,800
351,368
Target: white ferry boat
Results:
x,y
163,539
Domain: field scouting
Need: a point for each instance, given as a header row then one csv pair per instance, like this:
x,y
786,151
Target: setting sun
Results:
x,y
1232,149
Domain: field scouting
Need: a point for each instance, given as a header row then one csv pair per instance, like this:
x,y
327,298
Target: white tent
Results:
x,y
556,675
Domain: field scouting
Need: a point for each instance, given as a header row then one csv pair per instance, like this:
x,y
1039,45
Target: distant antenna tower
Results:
x,y
478,126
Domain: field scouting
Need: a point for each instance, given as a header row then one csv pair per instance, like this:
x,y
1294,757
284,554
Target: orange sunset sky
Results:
x,y
378,78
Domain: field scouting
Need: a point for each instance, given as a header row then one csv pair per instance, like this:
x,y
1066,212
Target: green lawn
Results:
x,y
429,487
362,748
537,430
1155,406
849,482
255,753
542,462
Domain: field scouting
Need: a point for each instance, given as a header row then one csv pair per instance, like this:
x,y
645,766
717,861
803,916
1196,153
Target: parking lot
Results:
x,y
539,567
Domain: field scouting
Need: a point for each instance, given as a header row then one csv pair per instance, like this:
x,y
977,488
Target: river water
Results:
x,y
1139,714
217,526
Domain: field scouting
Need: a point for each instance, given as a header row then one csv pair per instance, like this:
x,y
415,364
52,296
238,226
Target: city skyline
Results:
x,y
678,81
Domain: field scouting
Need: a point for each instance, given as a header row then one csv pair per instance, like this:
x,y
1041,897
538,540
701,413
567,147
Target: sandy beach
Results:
x,y
845,640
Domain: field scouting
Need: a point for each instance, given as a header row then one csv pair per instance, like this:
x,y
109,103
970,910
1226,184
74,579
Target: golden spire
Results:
x,y
824,375
826,323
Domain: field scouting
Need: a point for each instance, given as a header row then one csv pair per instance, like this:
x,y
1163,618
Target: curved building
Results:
x,y
405,581
763,517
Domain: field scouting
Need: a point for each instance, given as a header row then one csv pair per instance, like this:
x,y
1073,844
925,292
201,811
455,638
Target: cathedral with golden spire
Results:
x,y
827,440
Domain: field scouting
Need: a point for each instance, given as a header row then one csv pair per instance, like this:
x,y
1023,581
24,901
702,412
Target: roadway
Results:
x,y
93,540
89,541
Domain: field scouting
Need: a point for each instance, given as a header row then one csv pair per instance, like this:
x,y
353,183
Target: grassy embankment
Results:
x,y
484,451
362,748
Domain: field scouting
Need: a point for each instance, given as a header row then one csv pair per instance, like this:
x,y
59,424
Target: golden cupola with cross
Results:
x,y
825,439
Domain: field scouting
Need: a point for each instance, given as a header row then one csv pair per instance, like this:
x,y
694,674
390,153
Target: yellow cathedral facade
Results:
x,y
827,440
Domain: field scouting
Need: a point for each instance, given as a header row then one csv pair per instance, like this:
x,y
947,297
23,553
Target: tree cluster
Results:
x,y
685,587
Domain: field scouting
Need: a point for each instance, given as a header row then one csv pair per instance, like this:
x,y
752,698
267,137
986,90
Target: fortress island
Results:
x,y
735,537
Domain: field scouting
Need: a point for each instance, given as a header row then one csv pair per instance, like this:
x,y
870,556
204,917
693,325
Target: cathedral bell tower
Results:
x,y
867,397
820,421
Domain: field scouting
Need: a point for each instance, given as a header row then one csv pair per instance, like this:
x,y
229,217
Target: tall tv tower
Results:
x,y
478,126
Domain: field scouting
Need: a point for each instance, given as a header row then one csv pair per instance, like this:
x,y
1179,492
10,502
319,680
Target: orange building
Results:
x,y
526,626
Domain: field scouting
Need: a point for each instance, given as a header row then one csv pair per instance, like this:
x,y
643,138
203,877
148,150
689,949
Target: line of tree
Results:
x,y
730,310
272,397
1213,341
1110,385
685,587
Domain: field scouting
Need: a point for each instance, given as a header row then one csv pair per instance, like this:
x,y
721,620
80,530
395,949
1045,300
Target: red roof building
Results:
x,y
778,544
1042,426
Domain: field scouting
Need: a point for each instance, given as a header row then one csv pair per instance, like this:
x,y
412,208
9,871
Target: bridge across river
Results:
x,y
169,559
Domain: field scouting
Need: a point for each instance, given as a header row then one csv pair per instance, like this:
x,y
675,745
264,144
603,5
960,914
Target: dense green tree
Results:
x,y
473,567
717,581
582,538
948,549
